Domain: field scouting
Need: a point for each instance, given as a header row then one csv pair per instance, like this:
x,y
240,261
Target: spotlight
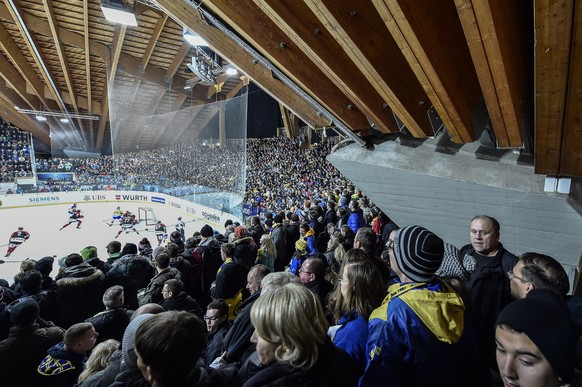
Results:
x,y
119,11
231,71
64,120
193,39
40,118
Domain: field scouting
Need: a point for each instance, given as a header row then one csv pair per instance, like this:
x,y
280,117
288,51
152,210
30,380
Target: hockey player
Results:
x,y
16,239
128,224
180,227
73,209
76,217
116,217
160,231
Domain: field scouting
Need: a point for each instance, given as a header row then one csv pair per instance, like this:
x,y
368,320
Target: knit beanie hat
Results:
x,y
240,232
45,265
157,251
301,245
23,312
206,231
89,252
27,264
544,317
128,356
418,252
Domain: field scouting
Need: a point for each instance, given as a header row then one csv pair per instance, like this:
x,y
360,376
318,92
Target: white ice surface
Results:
x,y
43,224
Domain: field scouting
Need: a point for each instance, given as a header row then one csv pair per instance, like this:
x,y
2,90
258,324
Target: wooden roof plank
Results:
x,y
502,25
553,33
443,70
477,49
251,23
303,28
88,87
571,158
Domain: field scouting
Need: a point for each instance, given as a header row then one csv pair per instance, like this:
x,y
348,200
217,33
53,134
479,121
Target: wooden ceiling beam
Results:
x,y
117,45
553,35
237,88
504,27
104,116
15,81
185,14
213,89
445,71
329,16
53,24
88,88
178,60
23,67
307,32
264,31
571,158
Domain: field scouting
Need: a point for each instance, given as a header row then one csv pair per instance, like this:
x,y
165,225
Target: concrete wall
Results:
x,y
442,186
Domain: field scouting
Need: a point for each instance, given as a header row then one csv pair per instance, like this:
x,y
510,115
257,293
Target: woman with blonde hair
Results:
x,y
290,351
99,359
267,253
360,291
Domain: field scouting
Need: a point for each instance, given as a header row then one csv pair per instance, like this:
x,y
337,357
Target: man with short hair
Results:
x,y
365,239
488,285
536,341
111,322
237,342
113,249
356,217
312,275
217,325
537,271
230,280
66,360
153,292
176,299
421,333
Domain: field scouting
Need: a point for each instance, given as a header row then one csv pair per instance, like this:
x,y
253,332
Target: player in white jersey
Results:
x,y
180,227
160,231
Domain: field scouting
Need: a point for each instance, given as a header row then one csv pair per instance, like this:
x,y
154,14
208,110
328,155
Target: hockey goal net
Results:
x,y
147,215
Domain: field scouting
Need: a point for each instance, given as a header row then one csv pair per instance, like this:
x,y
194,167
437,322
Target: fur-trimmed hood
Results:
x,y
80,275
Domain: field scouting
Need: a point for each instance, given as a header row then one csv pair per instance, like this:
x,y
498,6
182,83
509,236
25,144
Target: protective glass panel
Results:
x,y
164,140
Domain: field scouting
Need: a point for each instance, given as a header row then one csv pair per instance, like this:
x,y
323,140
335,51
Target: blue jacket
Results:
x,y
420,336
356,220
352,337
60,367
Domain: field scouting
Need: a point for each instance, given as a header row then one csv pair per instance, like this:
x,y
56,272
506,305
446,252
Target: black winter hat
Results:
x,y
23,312
544,317
278,219
418,252
175,236
129,248
206,231
45,265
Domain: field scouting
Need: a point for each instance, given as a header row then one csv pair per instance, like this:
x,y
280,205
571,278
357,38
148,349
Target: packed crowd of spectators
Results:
x,y
14,153
300,299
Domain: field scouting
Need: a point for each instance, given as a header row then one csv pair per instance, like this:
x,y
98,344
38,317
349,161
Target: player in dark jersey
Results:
x,y
127,224
16,239
76,217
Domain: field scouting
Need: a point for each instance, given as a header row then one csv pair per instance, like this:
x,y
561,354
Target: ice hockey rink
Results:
x,y
43,224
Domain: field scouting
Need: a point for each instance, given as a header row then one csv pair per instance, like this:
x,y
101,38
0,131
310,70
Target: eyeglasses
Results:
x,y
305,271
511,276
390,244
213,318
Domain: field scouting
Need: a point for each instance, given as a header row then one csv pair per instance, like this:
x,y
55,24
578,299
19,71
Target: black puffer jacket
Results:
x,y
111,323
133,272
78,294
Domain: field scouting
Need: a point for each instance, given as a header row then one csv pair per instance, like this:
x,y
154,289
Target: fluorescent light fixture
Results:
x,y
119,11
231,71
187,87
40,118
64,120
193,39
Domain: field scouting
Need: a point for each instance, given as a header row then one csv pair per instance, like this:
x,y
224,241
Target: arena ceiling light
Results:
x,y
119,11
60,115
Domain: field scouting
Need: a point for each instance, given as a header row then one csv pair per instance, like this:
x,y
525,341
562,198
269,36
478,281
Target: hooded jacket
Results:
x,y
60,367
420,334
